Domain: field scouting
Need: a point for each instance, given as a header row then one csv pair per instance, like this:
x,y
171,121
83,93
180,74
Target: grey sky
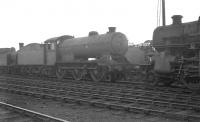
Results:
x,y
37,20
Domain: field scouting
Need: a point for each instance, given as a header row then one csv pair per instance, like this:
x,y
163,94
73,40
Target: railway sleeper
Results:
x,y
180,101
175,105
135,108
116,106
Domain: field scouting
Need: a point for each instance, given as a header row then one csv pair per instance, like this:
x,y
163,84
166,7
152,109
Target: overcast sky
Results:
x,y
31,21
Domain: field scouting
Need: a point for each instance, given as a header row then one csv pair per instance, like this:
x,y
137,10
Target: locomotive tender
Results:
x,y
99,57
183,41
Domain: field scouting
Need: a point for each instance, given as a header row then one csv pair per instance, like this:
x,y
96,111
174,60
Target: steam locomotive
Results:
x,y
183,41
97,57
107,57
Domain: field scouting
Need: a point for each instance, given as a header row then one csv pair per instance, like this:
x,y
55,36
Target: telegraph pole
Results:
x,y
163,12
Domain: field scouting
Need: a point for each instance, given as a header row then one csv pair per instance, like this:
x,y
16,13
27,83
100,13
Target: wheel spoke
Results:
x,y
60,73
97,74
77,74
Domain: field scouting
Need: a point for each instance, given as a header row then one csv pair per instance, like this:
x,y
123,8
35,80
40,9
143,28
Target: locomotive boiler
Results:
x,y
112,43
99,56
183,42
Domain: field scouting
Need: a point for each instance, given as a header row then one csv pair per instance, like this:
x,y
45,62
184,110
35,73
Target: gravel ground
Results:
x,y
77,113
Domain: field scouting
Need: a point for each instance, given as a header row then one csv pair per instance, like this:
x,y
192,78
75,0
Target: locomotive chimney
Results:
x,y
177,19
21,45
111,29
93,33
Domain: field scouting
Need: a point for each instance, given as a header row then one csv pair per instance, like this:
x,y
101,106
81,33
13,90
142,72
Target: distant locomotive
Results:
x,y
7,56
183,41
98,57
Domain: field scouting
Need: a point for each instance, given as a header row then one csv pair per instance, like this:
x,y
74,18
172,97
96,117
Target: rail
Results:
x,y
32,114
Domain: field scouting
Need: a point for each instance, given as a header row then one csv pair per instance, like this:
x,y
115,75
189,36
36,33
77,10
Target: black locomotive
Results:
x,y
183,42
97,56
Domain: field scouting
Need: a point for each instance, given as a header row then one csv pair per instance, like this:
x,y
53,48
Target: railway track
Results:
x,y
112,87
127,84
120,97
115,88
11,113
120,88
